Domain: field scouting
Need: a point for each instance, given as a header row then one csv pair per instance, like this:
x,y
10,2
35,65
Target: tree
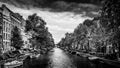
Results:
x,y
41,37
16,39
86,35
111,16
88,22
111,13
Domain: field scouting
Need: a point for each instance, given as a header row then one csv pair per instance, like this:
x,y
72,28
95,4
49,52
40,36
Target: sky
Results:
x,y
58,23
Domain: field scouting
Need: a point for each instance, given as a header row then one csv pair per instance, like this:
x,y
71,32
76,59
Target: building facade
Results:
x,y
1,30
8,20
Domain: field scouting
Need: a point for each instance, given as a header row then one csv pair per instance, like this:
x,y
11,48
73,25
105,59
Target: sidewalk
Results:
x,y
114,63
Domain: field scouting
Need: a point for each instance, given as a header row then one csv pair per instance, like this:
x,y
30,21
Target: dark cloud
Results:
x,y
83,1
87,7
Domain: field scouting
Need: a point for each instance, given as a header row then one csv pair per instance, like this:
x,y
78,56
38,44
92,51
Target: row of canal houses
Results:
x,y
88,44
8,20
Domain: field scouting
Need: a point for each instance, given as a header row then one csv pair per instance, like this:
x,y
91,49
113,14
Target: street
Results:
x,y
57,58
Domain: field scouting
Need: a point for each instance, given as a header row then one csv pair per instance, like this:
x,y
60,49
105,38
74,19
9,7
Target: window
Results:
x,y
9,28
4,36
0,40
7,37
6,27
6,44
3,45
0,22
3,25
0,31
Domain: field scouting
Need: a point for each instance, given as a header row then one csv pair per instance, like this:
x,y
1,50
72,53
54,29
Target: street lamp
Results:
x,y
89,39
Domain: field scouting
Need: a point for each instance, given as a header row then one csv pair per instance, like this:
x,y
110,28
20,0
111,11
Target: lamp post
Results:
x,y
89,39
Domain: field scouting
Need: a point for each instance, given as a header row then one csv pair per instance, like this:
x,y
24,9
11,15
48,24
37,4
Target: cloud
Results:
x,y
75,6
58,28
58,31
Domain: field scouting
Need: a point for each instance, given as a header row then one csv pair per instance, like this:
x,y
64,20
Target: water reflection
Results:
x,y
57,58
60,60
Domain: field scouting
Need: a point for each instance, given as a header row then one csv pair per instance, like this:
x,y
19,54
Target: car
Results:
x,y
73,53
78,54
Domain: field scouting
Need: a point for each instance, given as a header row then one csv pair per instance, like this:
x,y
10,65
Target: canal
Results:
x,y
57,58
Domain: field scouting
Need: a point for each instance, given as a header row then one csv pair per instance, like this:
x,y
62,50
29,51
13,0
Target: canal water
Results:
x,y
59,59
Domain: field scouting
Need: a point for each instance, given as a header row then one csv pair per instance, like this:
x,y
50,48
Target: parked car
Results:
x,y
73,53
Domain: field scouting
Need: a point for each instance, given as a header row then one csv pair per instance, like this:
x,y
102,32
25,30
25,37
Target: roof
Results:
x,y
16,15
4,6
